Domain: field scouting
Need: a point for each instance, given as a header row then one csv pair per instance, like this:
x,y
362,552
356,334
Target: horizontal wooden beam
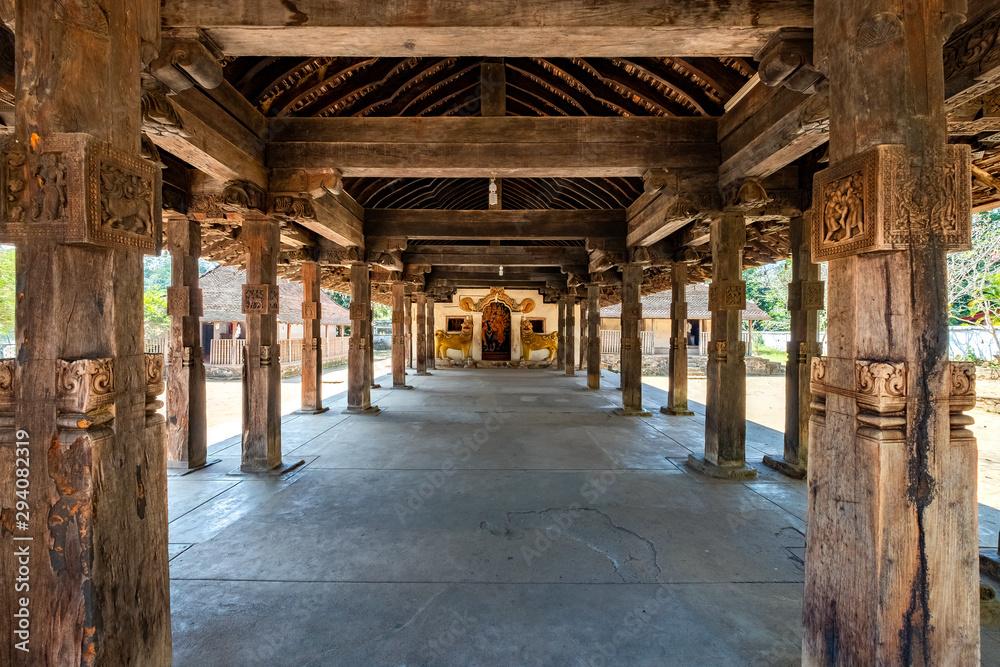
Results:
x,y
495,225
330,218
501,146
407,28
478,256
683,197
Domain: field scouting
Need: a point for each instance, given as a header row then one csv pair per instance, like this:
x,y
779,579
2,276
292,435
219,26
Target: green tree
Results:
x,y
8,294
767,286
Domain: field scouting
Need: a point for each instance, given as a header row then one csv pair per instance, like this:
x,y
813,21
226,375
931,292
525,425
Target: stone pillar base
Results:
x,y
280,469
623,412
181,468
402,386
310,411
673,412
793,470
989,563
422,373
370,410
698,464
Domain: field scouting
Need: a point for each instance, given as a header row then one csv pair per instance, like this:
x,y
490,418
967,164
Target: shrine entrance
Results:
x,y
496,332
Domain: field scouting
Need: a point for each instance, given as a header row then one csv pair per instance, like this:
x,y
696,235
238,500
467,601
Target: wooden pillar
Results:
x,y
631,355
805,299
398,337
891,561
408,327
570,355
186,423
594,337
370,345
81,391
725,409
431,352
261,363
312,342
359,388
561,339
677,393
584,331
421,333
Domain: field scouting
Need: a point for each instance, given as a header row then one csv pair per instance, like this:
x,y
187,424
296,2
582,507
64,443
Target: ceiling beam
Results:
x,y
495,225
504,146
512,28
495,255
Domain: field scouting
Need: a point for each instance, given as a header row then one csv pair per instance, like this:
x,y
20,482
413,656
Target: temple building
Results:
x,y
496,174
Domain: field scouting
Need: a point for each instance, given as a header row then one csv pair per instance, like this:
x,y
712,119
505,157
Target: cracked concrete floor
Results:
x,y
490,517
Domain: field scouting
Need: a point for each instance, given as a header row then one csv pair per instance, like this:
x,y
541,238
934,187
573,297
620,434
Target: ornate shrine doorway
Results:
x,y
496,332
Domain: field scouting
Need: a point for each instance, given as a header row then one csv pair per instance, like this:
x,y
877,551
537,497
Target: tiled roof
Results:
x,y
222,291
657,306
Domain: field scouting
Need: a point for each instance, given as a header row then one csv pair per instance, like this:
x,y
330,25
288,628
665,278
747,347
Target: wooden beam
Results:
x,y
507,146
516,28
495,255
680,199
203,134
495,225
331,219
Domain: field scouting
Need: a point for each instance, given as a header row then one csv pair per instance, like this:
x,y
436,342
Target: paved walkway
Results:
x,y
490,517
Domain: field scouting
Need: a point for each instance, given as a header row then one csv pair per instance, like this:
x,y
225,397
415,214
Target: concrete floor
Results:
x,y
491,517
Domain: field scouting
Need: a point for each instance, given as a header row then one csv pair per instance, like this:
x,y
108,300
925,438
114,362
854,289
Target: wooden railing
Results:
x,y
156,346
611,341
228,352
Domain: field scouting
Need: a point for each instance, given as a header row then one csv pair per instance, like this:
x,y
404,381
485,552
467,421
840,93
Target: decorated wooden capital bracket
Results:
x,y
72,188
184,302
877,200
727,295
236,198
182,63
497,295
359,311
85,392
806,295
310,310
787,60
155,384
749,197
306,182
260,299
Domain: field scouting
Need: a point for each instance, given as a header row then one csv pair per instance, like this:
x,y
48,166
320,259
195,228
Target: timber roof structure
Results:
x,y
613,133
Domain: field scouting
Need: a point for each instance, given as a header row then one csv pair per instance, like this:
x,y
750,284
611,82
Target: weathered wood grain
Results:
x,y
495,225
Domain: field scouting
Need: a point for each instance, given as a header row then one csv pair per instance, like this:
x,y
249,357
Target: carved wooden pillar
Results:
x,y
570,355
631,355
312,342
677,393
422,333
594,337
431,352
584,330
93,460
187,426
261,363
561,339
398,337
891,561
805,300
359,389
370,343
408,327
725,409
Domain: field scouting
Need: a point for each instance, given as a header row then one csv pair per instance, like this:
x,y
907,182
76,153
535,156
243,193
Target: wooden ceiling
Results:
x,y
393,87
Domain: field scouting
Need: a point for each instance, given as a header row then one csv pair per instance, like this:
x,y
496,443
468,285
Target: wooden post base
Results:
x,y
624,412
402,386
793,470
675,413
310,411
283,468
989,563
370,410
699,464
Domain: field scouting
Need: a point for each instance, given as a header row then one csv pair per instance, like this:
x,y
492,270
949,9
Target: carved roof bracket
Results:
x,y
787,60
311,182
182,63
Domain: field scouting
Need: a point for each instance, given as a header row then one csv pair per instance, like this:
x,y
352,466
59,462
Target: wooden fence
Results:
x,y
228,352
611,341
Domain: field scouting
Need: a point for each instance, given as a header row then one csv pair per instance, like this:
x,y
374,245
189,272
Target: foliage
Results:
x,y
767,286
974,277
8,292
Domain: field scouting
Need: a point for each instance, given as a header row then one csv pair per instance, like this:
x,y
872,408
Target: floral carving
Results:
x,y
881,386
85,385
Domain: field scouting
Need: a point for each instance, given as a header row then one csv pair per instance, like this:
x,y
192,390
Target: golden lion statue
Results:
x,y
531,341
454,341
